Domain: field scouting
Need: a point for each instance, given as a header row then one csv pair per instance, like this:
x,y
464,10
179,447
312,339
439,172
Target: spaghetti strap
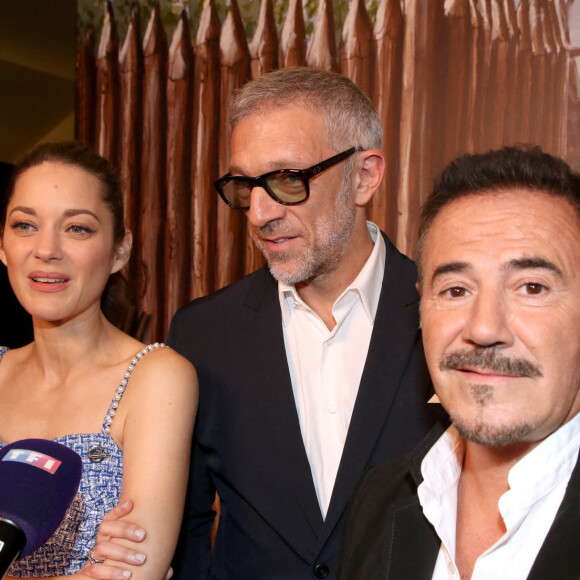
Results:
x,y
123,385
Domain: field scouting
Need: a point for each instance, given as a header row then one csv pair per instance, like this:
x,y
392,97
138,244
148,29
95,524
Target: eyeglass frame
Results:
x,y
305,175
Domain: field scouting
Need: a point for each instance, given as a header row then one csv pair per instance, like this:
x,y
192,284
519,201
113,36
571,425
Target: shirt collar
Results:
x,y
441,467
531,478
544,467
557,454
367,284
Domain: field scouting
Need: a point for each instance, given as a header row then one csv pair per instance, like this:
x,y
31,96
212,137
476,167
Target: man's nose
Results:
x,y
488,321
263,209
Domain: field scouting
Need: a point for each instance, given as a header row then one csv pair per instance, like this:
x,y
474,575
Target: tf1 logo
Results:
x,y
34,458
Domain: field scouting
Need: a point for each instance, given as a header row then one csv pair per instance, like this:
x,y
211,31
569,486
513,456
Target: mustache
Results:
x,y
489,359
275,227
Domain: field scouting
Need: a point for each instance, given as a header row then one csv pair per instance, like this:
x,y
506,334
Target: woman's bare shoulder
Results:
x,y
160,364
15,356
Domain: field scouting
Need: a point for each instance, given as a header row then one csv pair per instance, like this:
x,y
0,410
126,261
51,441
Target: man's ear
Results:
x,y
122,252
418,287
369,174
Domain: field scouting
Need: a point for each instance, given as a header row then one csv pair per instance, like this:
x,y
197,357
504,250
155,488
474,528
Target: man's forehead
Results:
x,y
514,264
278,113
518,221
289,122
494,204
278,139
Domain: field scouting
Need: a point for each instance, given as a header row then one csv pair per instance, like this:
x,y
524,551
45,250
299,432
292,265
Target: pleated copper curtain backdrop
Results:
x,y
447,77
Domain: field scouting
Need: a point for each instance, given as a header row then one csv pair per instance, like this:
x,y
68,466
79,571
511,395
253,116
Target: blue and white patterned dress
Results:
x,y
67,549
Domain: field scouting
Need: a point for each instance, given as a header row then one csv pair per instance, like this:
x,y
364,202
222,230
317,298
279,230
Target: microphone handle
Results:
x,y
12,542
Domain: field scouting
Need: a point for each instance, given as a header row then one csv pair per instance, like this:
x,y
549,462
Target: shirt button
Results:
x,y
321,570
330,342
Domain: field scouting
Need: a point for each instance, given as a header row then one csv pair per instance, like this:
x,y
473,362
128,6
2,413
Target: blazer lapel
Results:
x,y
558,557
300,528
414,545
394,334
410,528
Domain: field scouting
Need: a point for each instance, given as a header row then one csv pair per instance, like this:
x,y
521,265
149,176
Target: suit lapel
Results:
x,y
393,338
558,557
281,418
410,528
414,543
394,335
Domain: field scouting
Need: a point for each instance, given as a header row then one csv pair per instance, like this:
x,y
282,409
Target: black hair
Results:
x,y
524,167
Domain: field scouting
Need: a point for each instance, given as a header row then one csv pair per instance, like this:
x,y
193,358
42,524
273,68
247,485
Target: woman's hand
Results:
x,y
104,549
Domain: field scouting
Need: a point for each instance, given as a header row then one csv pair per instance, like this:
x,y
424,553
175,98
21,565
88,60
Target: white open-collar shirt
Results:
x,y
537,485
326,365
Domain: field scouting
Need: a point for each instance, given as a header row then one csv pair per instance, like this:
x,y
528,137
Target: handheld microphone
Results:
x,y
38,482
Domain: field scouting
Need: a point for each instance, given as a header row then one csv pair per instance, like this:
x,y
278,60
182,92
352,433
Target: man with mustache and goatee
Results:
x,y
496,494
311,369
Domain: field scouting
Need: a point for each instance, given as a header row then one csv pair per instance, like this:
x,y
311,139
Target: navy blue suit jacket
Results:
x,y
248,445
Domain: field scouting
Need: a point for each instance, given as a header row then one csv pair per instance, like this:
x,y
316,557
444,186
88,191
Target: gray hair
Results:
x,y
348,114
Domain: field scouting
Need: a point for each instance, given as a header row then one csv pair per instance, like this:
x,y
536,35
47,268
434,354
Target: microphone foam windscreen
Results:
x,y
38,482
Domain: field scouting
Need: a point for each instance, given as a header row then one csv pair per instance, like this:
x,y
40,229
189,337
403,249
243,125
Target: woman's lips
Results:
x,y
48,281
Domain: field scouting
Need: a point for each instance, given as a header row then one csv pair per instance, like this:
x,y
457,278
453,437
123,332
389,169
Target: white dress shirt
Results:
x,y
537,486
326,365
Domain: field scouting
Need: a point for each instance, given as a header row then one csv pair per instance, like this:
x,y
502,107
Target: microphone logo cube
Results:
x,y
33,458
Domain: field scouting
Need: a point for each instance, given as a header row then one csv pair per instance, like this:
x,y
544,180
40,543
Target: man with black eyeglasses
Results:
x,y
310,369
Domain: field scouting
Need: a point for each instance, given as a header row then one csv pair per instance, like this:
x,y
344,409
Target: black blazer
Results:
x,y
387,536
248,445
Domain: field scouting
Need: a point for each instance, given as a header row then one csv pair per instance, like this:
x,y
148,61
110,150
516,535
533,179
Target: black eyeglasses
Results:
x,y
286,186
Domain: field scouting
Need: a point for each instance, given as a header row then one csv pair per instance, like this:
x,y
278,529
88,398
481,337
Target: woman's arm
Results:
x,y
112,527
155,434
155,431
